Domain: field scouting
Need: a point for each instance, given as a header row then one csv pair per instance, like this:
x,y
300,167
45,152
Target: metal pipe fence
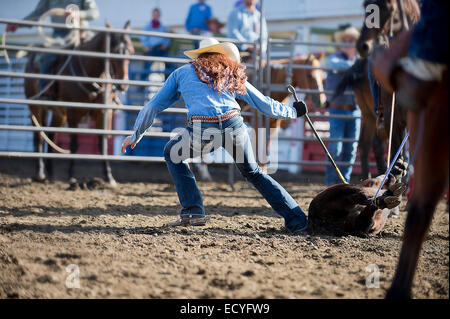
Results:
x,y
107,56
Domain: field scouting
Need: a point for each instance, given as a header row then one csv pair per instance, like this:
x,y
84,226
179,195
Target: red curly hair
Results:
x,y
220,73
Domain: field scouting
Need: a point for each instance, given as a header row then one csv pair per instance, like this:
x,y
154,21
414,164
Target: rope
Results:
x,y
72,38
46,138
391,166
391,129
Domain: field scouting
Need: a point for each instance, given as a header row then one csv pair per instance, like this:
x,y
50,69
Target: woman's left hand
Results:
x,y
125,143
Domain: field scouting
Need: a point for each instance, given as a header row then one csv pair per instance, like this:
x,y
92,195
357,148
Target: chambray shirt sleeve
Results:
x,y
165,97
266,104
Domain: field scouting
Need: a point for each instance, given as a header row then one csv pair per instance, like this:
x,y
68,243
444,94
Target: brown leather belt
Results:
x,y
214,119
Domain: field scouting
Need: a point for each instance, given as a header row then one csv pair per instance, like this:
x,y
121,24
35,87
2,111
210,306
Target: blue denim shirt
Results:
x,y
245,26
198,14
200,99
154,41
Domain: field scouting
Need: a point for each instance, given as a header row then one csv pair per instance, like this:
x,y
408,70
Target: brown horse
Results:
x,y
78,92
302,78
390,25
429,140
356,77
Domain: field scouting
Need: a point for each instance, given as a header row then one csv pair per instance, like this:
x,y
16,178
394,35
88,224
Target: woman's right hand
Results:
x,y
125,143
301,108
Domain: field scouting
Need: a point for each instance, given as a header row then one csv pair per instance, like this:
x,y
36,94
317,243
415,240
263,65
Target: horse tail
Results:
x,y
351,77
46,138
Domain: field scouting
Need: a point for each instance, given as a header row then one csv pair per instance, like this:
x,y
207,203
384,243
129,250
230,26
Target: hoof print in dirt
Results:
x,y
45,279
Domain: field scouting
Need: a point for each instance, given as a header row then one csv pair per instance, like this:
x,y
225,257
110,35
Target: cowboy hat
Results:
x,y
211,45
347,32
215,20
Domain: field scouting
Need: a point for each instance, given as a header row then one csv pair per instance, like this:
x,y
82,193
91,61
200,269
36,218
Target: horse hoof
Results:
x,y
392,202
40,179
397,189
112,183
73,184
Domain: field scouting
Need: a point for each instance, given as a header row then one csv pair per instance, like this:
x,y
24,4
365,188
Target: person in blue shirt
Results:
x,y
244,24
154,46
209,85
241,2
342,105
197,16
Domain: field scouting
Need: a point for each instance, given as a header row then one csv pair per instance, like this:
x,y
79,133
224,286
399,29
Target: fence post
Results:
x,y
106,94
267,90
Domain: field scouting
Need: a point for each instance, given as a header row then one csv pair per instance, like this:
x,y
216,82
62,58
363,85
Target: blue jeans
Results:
x,y
345,152
233,136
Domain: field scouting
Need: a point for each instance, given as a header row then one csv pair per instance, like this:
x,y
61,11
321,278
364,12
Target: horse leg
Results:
x,y
378,150
57,120
107,173
49,161
39,147
364,144
204,172
73,150
431,169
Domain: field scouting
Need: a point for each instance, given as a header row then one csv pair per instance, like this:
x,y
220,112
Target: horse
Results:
x,y
429,141
391,21
78,92
356,77
302,78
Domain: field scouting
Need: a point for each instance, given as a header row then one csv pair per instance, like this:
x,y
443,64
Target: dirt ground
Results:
x,y
115,239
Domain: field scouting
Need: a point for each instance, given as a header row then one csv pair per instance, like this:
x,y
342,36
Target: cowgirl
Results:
x,y
209,86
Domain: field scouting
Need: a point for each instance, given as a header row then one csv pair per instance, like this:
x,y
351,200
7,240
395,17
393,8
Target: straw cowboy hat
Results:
x,y
347,32
211,45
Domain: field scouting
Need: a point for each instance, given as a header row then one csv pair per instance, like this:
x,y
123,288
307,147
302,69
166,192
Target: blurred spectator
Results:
x,y
154,46
198,14
241,2
214,28
344,57
87,11
244,25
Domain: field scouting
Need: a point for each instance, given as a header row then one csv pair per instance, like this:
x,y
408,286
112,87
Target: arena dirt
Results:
x,y
117,240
